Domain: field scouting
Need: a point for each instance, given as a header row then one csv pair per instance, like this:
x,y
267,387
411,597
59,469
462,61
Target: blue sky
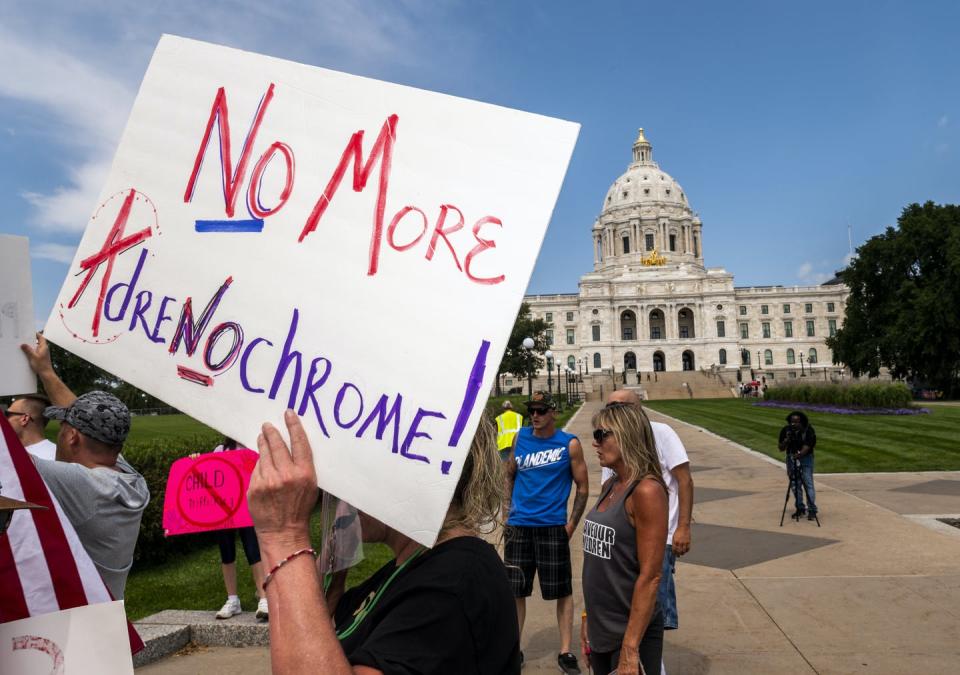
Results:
x,y
783,122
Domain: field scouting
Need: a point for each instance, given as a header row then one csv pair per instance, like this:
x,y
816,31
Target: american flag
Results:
x,y
43,566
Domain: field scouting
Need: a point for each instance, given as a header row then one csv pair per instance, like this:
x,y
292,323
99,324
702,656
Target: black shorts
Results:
x,y
541,550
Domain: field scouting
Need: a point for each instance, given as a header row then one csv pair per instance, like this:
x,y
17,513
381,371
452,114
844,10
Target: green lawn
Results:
x,y
845,443
149,428
194,580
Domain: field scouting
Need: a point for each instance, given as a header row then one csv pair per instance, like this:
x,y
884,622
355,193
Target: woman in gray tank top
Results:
x,y
623,545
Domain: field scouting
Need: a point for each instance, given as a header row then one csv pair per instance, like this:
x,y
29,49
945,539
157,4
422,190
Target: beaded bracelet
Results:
x,y
283,562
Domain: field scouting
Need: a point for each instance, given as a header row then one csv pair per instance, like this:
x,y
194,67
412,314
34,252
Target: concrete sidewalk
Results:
x,y
876,589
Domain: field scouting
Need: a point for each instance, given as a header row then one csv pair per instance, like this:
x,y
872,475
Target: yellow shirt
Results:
x,y
508,424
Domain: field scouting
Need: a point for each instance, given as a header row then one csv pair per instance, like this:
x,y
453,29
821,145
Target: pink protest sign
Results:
x,y
208,493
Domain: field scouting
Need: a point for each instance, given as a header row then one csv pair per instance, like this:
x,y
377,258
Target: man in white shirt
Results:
x,y
676,474
25,415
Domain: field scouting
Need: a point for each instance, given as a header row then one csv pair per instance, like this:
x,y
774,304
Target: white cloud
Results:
x,y
55,252
87,78
943,121
91,108
847,259
68,208
807,275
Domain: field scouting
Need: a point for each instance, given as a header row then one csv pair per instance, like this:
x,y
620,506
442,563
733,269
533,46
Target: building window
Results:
x,y
786,308
721,329
832,327
723,357
808,308
654,332
810,330
812,355
570,336
673,242
791,358
831,307
765,326
788,329
743,310
569,316
764,309
767,357
684,331
572,362
627,333
744,331
745,357
596,360
626,244
648,241
595,330
549,317
549,337
792,374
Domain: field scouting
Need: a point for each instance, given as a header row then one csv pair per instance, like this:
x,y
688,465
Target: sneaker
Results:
x,y
262,613
812,515
799,513
230,608
568,664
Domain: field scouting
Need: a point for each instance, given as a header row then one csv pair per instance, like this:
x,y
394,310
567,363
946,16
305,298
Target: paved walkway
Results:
x,y
876,589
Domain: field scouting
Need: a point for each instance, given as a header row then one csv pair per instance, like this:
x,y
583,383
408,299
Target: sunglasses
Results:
x,y
14,413
538,411
600,435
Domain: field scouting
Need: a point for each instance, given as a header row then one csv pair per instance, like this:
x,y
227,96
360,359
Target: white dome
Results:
x,y
644,183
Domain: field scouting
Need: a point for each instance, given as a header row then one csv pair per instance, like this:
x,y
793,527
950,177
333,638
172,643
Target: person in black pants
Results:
x,y
228,560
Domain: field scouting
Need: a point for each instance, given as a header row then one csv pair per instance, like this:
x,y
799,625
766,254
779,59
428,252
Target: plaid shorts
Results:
x,y
541,550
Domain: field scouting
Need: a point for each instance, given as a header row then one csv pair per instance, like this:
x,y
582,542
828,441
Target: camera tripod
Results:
x,y
796,481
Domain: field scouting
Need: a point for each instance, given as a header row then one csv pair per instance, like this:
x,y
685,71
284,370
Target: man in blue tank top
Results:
x,y
541,468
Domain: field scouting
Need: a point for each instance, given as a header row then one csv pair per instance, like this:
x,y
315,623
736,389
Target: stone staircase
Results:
x,y
684,384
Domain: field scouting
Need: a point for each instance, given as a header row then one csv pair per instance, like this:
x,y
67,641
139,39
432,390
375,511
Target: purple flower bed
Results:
x,y
837,410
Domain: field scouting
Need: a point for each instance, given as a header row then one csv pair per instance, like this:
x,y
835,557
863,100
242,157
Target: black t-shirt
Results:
x,y
449,611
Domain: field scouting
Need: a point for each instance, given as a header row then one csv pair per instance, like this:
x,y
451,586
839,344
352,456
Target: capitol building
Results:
x,y
651,307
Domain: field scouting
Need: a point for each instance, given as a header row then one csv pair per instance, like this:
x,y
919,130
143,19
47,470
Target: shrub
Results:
x,y
153,461
867,395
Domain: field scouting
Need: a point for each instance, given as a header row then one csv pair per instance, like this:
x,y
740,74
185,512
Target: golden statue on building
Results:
x,y
653,260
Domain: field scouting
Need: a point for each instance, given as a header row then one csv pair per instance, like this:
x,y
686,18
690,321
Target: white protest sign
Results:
x,y
276,235
17,324
78,641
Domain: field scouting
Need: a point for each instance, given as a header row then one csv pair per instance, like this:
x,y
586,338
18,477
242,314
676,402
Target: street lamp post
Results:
x,y
759,362
549,355
580,370
803,373
528,344
559,386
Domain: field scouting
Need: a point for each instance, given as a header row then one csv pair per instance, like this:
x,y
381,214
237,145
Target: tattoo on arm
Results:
x,y
579,504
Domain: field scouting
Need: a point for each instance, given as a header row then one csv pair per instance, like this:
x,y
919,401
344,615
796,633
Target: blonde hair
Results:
x,y
478,497
631,427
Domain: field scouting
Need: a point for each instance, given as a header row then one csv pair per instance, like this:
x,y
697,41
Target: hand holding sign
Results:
x,y
283,487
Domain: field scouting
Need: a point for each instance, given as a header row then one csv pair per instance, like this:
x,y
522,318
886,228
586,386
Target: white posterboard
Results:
x,y
277,235
17,324
78,641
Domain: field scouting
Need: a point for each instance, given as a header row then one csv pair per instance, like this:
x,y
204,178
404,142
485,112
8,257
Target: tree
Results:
x,y
903,312
518,361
